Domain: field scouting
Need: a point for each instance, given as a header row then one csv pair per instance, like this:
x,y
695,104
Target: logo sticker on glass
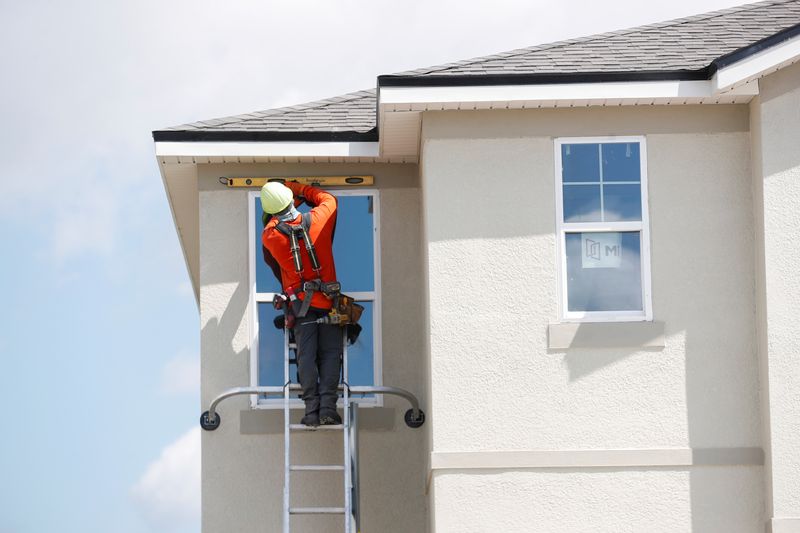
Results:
x,y
601,250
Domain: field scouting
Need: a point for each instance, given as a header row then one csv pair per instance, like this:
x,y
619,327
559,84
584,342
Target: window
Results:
x,y
602,229
356,252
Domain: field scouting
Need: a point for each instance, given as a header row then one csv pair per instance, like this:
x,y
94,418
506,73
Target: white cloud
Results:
x,y
181,375
168,493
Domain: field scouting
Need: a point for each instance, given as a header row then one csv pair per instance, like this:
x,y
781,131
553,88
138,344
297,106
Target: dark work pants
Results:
x,y
319,350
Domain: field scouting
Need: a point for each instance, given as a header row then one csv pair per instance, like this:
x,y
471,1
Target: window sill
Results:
x,y
568,335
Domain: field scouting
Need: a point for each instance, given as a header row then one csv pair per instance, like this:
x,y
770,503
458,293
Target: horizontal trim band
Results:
x,y
267,149
678,90
537,78
784,525
262,136
620,458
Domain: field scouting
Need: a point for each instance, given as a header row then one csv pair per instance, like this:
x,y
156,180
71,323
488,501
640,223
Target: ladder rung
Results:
x,y
316,468
316,510
303,427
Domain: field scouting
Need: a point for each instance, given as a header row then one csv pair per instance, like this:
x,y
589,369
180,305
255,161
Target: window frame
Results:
x,y
373,296
562,228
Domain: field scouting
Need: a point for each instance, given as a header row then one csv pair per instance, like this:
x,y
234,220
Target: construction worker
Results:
x,y
319,346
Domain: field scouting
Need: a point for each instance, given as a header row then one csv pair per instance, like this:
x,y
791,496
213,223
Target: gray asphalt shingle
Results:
x,y
353,112
689,43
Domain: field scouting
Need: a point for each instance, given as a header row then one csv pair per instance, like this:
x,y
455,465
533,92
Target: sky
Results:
x,y
99,337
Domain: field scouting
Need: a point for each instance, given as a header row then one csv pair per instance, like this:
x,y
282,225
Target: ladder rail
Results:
x,y
348,482
287,450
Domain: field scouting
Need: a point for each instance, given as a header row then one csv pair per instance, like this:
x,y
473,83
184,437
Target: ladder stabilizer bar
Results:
x,y
414,417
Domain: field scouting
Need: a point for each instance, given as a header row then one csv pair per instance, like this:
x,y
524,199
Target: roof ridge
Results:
x,y
601,36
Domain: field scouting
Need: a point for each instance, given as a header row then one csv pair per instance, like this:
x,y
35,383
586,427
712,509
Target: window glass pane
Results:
x,y
353,245
621,162
622,202
604,271
580,162
581,203
265,279
361,362
270,350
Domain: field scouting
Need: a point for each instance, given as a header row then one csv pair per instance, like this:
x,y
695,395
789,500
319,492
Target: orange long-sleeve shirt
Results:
x,y
323,220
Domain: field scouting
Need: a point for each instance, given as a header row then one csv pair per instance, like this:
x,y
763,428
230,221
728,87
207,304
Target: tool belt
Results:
x,y
344,310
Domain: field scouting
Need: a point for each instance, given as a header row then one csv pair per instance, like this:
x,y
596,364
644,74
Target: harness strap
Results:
x,y
300,230
295,233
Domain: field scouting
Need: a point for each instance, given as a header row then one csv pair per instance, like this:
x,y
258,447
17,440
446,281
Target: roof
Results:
x,y
687,48
681,45
347,117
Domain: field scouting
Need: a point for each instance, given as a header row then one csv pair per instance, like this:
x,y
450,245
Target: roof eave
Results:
x,y
538,78
264,136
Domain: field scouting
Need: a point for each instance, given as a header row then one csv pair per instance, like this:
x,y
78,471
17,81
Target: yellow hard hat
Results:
x,y
275,196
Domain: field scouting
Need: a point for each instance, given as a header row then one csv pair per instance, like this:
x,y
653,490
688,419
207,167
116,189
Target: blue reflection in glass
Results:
x,y
622,202
621,162
265,279
361,364
581,203
580,162
605,289
270,349
353,246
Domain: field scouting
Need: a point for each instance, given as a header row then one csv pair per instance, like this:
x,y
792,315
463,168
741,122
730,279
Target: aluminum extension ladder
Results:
x,y
414,417
349,429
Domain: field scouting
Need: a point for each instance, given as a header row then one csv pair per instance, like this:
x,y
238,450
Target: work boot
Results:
x,y
330,417
311,419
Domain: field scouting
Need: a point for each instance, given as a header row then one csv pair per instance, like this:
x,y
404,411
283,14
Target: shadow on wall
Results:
x,y
583,361
218,336
723,412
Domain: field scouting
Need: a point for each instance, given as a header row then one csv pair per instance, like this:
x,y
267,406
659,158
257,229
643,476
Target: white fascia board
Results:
x,y
756,65
560,91
267,149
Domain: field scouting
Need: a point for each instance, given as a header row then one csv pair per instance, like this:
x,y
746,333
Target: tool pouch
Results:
x,y
346,306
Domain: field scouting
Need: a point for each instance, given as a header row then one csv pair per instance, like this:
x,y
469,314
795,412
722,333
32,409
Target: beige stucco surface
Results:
x,y
242,476
776,186
488,185
600,500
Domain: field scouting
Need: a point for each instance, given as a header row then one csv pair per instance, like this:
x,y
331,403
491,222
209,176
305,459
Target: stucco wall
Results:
x,y
488,184
242,476
776,186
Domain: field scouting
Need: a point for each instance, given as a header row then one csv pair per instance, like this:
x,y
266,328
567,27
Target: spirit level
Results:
x,y
318,181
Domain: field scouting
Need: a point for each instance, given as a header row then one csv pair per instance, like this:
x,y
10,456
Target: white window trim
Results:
x,y
373,296
562,228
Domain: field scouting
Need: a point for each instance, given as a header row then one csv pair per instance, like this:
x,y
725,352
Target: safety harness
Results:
x,y
300,232
345,312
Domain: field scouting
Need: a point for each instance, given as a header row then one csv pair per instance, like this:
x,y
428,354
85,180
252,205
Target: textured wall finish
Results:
x,y
496,385
243,473
777,190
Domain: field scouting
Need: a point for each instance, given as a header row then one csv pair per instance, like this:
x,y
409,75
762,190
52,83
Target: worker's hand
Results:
x,y
297,189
